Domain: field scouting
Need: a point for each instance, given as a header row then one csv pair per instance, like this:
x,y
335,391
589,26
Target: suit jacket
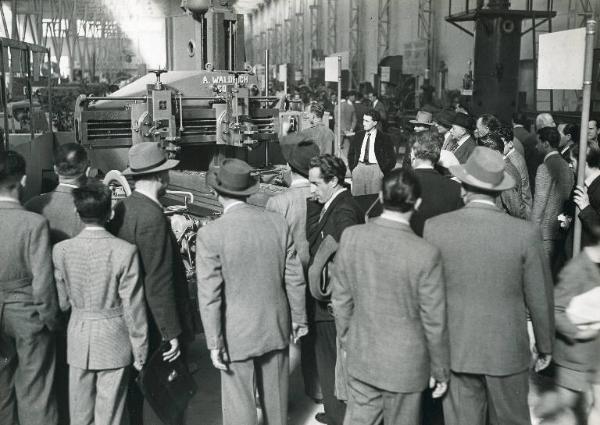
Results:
x,y
533,157
463,152
97,276
439,195
26,274
496,273
518,161
140,221
390,314
578,276
59,209
250,282
384,151
590,215
342,213
511,200
554,182
321,135
292,205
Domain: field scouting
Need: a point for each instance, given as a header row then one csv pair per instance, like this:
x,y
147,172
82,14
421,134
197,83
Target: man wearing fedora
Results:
x,y
462,143
292,205
496,274
423,121
399,304
370,156
251,292
139,220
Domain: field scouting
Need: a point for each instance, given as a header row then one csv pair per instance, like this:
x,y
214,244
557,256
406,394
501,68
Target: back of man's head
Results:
x,y
593,158
400,190
506,133
70,160
93,201
12,170
544,120
550,135
426,146
492,141
318,109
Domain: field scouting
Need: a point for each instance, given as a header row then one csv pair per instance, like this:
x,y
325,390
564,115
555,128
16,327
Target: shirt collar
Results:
x,y
233,204
463,139
589,180
373,131
483,201
9,199
549,154
423,167
328,203
148,197
69,185
94,228
388,215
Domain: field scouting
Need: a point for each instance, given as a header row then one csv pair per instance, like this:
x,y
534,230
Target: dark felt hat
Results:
x,y
485,169
147,158
444,118
299,156
463,120
233,178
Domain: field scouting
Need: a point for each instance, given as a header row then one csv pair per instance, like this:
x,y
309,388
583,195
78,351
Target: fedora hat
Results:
x,y
423,118
233,178
485,170
318,272
444,118
463,120
299,156
147,158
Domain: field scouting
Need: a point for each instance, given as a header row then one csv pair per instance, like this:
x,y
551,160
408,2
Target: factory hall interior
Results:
x,y
299,212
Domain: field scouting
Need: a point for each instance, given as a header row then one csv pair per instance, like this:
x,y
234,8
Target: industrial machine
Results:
x,y
199,116
498,32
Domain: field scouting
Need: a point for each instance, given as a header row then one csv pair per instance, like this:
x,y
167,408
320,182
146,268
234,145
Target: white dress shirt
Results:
x,y
372,159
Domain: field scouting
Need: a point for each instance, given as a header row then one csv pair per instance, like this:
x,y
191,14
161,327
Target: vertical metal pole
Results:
x,y
3,95
266,72
30,94
535,107
50,89
338,131
585,115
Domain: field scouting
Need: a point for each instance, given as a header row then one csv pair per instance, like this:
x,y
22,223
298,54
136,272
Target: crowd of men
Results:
x,y
456,285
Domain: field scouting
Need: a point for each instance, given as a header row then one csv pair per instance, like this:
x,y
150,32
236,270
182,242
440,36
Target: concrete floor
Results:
x,y
205,407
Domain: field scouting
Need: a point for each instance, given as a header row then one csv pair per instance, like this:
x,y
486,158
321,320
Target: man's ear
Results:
x,y
380,197
23,180
112,215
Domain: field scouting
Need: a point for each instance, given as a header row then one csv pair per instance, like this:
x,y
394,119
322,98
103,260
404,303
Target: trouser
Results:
x,y
308,363
326,353
366,179
27,362
368,405
97,397
269,374
473,398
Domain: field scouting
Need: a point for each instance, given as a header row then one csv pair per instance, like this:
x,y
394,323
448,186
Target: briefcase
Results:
x,y
167,386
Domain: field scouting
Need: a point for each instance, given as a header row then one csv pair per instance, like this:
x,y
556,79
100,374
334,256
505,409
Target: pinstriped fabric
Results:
x,y
98,277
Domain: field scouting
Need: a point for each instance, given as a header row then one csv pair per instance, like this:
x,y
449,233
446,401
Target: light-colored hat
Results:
x,y
148,158
423,118
485,169
233,178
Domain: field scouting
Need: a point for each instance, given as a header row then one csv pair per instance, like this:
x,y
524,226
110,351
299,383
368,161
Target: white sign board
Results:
x,y
331,69
414,61
384,74
555,71
283,73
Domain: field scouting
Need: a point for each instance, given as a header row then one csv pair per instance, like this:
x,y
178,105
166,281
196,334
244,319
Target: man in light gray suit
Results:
x,y
391,315
28,305
251,292
98,279
496,275
292,205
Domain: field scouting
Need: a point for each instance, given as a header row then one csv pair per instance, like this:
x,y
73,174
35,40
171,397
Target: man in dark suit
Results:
x,y
139,220
462,143
370,156
533,157
29,305
332,211
70,164
249,303
496,275
439,194
378,299
587,198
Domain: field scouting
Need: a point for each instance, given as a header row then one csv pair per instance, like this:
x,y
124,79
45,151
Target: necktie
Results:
x,y
367,149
